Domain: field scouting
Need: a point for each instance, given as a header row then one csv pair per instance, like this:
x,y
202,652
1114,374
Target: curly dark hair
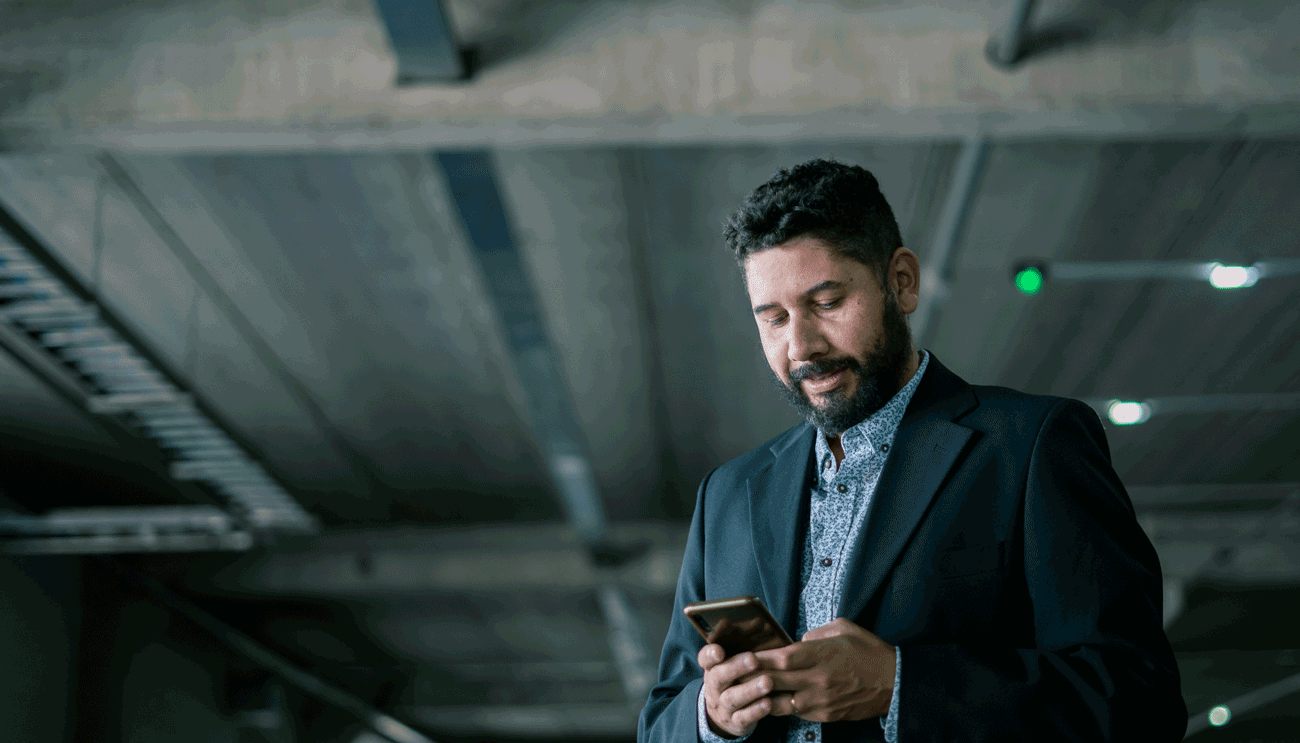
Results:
x,y
838,204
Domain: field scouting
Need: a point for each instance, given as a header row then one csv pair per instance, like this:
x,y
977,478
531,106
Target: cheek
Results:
x,y
774,352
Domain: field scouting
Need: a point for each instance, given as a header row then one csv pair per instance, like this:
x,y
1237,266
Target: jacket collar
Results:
x,y
927,445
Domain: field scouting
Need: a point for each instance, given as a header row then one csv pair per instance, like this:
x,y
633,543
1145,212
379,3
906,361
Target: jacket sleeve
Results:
x,y
1101,668
670,711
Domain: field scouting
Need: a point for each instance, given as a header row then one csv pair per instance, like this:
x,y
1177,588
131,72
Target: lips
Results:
x,y
824,382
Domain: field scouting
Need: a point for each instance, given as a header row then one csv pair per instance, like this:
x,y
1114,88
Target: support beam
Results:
x,y
515,558
118,530
1008,48
471,178
318,76
423,41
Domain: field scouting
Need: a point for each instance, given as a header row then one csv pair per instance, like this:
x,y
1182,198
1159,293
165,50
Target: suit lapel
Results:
x,y
778,517
927,446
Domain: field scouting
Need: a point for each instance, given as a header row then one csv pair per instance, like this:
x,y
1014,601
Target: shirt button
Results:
x,y
884,447
810,735
826,562
842,488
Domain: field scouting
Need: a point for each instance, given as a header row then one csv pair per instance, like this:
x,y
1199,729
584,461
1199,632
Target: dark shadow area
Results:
x,y
1232,640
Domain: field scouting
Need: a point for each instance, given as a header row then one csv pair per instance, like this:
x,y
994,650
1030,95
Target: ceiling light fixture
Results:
x,y
1132,412
45,314
1123,413
1030,275
1232,277
1220,716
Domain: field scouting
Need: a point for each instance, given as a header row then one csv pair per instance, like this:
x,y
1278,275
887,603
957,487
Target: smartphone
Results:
x,y
738,624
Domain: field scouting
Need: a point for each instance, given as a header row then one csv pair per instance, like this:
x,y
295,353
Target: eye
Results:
x,y
777,321
829,305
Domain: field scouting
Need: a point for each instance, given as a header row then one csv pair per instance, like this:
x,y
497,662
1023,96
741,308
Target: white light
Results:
x,y
1128,413
1220,715
1232,277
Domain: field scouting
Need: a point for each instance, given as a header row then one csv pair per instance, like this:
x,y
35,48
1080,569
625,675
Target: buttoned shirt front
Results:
x,y
839,504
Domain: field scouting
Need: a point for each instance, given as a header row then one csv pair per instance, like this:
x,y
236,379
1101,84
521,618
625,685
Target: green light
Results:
x,y
1029,280
1220,715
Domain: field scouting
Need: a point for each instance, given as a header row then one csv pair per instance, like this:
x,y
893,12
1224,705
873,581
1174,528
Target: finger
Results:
x,y
792,682
710,656
749,716
783,704
786,658
740,696
731,670
720,630
834,628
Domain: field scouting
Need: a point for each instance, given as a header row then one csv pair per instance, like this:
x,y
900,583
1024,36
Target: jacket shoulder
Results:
x,y
736,471
1007,410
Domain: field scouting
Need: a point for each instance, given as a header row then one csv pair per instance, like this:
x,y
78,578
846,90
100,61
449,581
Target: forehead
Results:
x,y
792,268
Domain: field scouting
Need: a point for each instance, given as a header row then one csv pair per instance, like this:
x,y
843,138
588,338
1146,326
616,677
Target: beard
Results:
x,y
878,376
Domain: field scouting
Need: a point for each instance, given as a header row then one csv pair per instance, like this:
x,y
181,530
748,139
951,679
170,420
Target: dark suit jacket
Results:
x,y
1001,555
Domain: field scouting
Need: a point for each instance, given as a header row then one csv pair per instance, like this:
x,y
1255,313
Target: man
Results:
x,y
958,563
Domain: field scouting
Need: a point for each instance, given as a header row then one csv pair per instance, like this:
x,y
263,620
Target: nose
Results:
x,y
805,341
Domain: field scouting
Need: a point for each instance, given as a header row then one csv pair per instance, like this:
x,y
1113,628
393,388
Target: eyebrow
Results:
x,y
828,284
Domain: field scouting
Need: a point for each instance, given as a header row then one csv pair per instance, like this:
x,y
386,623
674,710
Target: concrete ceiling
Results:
x,y
311,74
244,189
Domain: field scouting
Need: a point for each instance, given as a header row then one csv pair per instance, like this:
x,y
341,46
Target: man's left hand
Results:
x,y
838,671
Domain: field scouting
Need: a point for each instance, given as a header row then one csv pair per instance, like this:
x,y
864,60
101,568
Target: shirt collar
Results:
x,y
877,428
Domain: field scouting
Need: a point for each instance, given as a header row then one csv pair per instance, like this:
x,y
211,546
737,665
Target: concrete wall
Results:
x,y
40,611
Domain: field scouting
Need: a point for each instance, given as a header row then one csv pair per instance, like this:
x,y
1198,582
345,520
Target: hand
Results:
x,y
838,671
734,698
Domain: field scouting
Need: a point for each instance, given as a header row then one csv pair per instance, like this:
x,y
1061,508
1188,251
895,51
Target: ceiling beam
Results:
x,y
423,41
116,530
472,184
319,76
541,557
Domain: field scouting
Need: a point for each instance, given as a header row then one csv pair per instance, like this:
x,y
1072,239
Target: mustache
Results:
x,y
823,366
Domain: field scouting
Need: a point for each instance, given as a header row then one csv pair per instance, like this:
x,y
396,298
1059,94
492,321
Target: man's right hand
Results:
x,y
734,704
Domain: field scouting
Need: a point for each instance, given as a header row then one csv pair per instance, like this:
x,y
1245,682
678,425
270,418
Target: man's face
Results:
x,y
837,343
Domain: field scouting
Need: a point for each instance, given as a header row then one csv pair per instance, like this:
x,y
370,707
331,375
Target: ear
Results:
x,y
905,278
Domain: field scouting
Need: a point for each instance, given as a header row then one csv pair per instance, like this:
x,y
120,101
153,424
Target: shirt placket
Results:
x,y
861,467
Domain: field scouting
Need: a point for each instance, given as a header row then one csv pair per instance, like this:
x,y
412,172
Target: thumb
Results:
x,y
834,628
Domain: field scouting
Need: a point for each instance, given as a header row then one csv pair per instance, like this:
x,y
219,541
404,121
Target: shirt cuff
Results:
x,y
702,722
890,721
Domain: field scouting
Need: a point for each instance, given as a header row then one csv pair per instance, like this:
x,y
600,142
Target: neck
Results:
x,y
909,371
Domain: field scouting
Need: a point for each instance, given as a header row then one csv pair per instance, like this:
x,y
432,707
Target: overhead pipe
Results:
x,y
1006,50
473,188
936,275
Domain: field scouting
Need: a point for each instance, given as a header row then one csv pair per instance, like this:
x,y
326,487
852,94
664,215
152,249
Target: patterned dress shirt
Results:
x,y
836,523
